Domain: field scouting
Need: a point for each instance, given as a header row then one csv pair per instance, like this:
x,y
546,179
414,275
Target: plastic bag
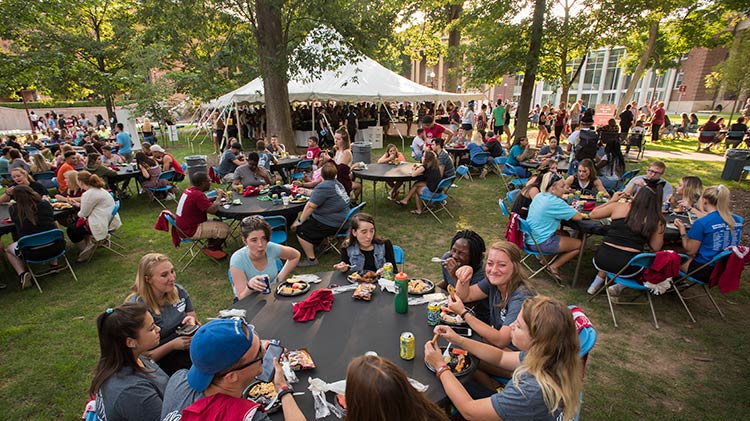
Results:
x,y
387,285
318,388
289,374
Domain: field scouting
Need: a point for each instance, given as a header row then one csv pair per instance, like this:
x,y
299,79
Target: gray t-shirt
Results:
x,y
665,193
248,177
226,164
171,315
332,201
503,316
179,395
264,161
130,395
523,402
444,160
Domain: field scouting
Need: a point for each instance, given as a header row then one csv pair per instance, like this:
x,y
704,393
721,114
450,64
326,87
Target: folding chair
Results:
x,y
41,248
626,177
498,163
511,196
398,255
480,160
587,338
636,141
503,207
300,169
515,180
530,250
706,134
689,280
343,231
438,198
201,243
642,260
108,243
166,175
278,228
464,172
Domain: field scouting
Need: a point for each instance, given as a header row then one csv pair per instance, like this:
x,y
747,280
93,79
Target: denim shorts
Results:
x,y
548,246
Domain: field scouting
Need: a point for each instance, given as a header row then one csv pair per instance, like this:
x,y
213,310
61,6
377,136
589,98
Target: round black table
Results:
x,y
384,172
124,175
456,153
10,228
348,330
284,165
252,206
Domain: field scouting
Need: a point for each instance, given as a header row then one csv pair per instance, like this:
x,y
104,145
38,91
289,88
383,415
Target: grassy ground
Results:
x,y
48,343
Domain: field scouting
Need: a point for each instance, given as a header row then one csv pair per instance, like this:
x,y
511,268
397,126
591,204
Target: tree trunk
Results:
x,y
454,42
110,105
567,83
532,64
274,64
653,33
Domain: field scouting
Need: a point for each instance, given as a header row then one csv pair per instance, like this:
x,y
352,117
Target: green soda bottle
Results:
x,y
402,298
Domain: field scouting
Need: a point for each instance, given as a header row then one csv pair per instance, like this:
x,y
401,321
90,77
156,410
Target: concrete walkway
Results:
x,y
693,156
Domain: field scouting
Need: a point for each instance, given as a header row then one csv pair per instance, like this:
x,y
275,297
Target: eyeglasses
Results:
x,y
650,171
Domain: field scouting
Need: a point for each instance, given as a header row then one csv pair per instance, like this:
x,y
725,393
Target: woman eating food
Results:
x,y
711,234
585,180
547,372
21,177
429,171
170,306
523,199
394,157
128,385
249,264
687,195
634,225
376,389
365,251
546,212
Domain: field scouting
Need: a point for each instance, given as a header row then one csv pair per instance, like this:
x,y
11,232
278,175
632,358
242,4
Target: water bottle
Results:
x,y
402,299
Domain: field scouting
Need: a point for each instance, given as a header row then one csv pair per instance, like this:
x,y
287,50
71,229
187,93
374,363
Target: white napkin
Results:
x,y
387,285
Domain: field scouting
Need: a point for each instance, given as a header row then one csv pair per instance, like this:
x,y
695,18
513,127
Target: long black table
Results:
x,y
251,205
348,330
384,172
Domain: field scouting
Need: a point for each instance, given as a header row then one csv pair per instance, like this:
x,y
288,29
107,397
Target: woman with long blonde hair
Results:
x,y
711,234
688,194
170,305
547,377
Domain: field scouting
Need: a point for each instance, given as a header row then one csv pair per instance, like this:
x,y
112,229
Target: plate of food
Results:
x,y
300,359
460,362
420,286
587,197
364,291
369,276
447,317
302,199
61,205
262,393
292,287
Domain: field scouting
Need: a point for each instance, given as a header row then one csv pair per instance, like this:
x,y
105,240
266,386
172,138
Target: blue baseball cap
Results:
x,y
216,346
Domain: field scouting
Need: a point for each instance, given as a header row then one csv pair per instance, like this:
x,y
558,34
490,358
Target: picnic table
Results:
x,y
351,328
456,153
254,205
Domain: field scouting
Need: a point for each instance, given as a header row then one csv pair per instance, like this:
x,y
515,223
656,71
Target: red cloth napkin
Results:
x,y
251,191
305,311
589,206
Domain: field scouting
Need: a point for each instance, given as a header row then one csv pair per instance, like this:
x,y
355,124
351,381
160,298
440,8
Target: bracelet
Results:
x,y
683,235
442,369
467,311
285,390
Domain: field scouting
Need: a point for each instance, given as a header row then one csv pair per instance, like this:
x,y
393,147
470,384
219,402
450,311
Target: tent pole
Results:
x,y
403,144
237,123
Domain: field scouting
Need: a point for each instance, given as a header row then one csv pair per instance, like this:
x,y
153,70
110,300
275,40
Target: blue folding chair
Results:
x,y
503,207
41,248
464,172
587,338
278,228
439,198
343,231
688,279
480,160
510,171
200,243
533,250
626,177
166,175
301,168
511,196
398,255
498,163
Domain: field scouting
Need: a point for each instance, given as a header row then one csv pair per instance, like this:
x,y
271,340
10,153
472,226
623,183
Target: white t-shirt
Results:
x,y
417,144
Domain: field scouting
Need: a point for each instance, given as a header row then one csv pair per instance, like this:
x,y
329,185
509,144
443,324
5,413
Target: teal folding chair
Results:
x,y
199,243
688,280
343,231
398,255
278,228
438,199
166,175
532,249
503,207
41,248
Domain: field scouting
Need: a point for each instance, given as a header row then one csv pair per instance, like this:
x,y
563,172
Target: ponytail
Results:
x,y
719,196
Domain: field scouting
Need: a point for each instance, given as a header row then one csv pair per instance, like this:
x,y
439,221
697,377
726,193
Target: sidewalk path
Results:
x,y
693,156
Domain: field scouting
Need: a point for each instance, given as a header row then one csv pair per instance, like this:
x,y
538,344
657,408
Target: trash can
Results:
x,y
735,159
361,152
196,164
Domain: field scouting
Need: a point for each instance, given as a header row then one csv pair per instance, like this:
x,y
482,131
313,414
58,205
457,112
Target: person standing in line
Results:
x,y
657,120
125,143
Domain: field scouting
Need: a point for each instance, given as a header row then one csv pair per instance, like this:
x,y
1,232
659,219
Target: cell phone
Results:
x,y
273,352
186,330
463,331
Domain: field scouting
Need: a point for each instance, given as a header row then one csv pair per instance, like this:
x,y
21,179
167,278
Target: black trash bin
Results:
x,y
196,164
735,159
361,152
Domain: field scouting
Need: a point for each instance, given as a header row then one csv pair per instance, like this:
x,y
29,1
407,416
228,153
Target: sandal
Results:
x,y
400,203
555,274
415,212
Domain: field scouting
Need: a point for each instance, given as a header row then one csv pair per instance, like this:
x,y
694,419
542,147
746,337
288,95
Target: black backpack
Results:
x,y
588,143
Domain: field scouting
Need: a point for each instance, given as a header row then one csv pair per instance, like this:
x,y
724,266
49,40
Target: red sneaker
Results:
x,y
216,254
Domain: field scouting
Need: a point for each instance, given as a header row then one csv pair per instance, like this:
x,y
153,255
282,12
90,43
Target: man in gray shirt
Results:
x,y
251,174
444,159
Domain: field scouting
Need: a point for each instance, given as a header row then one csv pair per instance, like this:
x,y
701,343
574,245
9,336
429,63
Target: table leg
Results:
x,y
580,258
374,196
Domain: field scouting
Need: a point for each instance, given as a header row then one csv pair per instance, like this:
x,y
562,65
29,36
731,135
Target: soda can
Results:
x,y
267,281
388,271
406,346
433,314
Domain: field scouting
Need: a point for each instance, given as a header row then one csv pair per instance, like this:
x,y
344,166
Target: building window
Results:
x,y
678,80
589,99
593,75
613,69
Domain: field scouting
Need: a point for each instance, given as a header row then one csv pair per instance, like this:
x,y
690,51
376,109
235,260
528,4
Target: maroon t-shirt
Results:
x,y
433,132
191,210
658,117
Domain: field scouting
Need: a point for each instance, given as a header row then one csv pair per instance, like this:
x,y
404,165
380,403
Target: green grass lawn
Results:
x,y
48,343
